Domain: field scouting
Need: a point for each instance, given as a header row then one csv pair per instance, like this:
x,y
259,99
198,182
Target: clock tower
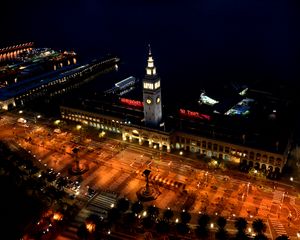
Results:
x,y
152,94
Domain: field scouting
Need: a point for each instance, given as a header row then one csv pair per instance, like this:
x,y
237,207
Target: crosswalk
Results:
x,y
278,227
99,205
278,196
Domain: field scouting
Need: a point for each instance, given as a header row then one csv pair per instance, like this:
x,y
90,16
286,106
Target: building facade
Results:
x,y
177,140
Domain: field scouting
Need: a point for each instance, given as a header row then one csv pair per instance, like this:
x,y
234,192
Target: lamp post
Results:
x,y
282,197
248,185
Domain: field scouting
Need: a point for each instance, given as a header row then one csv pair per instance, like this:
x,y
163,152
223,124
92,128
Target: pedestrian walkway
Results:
x,y
278,227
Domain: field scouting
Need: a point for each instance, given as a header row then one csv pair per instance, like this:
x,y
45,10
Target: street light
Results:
x,y
291,179
283,197
248,185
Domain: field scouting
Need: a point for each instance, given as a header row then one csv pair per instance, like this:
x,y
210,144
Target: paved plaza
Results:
x,y
115,166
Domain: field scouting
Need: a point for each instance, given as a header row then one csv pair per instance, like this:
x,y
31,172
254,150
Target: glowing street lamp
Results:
x,y
291,179
180,153
248,185
144,213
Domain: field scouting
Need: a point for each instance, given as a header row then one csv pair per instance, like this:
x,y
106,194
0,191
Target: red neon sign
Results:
x,y
130,102
191,114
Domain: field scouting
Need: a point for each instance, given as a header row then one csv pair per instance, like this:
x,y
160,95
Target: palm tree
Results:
x,y
202,230
185,217
241,225
168,214
137,207
259,226
260,236
123,204
153,211
148,222
163,227
130,220
282,237
113,215
221,234
182,228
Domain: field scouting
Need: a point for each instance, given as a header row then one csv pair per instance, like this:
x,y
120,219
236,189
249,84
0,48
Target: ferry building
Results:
x,y
212,134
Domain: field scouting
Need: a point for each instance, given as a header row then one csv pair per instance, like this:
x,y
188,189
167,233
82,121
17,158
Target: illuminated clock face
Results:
x,y
158,100
149,101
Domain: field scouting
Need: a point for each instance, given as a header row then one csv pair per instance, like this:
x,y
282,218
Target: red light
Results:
x,y
191,114
130,102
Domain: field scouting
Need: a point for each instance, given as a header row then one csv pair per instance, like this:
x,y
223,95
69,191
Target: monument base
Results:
x,y
144,195
75,170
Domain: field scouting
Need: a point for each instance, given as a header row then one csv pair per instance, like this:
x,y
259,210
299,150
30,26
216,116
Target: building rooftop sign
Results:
x,y
191,114
132,103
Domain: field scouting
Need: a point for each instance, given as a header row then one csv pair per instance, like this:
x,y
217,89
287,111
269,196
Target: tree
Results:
x,y
202,230
260,236
123,204
182,228
241,225
153,211
113,215
221,222
221,234
137,207
162,227
130,220
168,214
148,222
259,226
185,217
203,220
282,237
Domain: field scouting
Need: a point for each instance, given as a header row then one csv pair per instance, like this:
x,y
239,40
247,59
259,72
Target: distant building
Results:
x,y
229,136
52,82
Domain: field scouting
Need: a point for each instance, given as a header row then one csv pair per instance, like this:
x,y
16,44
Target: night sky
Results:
x,y
194,42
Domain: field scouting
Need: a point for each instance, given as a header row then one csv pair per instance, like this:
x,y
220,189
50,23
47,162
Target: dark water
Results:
x,y
195,42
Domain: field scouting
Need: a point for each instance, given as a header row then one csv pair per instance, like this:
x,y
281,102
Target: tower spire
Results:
x,y
149,46
150,69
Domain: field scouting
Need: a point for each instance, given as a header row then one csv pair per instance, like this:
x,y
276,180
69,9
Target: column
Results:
x,y
124,136
168,148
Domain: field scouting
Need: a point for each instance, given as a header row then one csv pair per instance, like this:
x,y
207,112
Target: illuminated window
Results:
x,y
157,85
148,85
